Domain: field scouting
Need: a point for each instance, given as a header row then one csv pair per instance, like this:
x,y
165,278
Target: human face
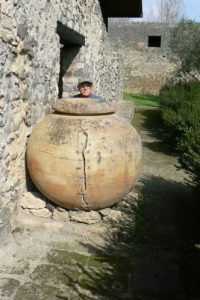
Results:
x,y
85,89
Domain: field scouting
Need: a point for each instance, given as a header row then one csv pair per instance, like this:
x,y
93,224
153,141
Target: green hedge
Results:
x,y
180,105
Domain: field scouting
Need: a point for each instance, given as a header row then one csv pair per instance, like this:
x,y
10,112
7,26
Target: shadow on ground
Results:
x,y
149,121
151,253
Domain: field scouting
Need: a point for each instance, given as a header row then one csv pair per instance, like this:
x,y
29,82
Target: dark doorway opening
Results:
x,y
70,45
154,41
68,52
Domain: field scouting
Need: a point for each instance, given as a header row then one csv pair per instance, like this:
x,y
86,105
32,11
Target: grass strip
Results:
x,y
142,100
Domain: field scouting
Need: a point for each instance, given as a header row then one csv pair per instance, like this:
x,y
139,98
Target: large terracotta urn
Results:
x,y
84,155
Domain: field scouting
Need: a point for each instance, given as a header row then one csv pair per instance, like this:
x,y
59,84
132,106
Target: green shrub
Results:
x,y
189,148
180,105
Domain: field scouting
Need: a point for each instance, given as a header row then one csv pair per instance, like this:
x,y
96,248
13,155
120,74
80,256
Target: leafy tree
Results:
x,y
185,43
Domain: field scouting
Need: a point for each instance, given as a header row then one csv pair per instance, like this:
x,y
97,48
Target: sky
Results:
x,y
191,8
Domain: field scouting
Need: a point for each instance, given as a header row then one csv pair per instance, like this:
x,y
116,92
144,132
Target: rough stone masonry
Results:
x,y
44,47
144,47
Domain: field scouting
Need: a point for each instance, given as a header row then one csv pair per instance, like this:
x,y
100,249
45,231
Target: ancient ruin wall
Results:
x,y
30,68
146,67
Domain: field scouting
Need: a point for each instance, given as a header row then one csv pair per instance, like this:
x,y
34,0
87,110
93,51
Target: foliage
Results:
x,y
185,43
142,100
180,106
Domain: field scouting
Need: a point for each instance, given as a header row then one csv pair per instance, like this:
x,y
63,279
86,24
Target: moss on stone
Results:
x,y
63,257
32,291
8,285
53,273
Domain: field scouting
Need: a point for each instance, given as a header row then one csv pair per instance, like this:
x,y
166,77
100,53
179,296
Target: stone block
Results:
x,y
31,201
60,215
22,30
104,212
6,22
114,216
91,217
43,212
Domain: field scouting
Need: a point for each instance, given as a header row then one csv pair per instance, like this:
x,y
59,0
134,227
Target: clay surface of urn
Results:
x,y
84,155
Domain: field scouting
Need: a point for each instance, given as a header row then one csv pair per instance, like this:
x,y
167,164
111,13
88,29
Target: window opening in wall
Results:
x,y
70,45
154,41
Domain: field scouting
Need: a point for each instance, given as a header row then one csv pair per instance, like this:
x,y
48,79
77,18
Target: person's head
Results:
x,y
85,86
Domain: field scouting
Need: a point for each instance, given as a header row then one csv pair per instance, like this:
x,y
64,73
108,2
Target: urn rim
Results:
x,y
82,106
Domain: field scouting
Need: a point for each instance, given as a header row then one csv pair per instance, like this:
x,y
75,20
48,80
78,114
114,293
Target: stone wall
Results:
x,y
30,70
146,68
